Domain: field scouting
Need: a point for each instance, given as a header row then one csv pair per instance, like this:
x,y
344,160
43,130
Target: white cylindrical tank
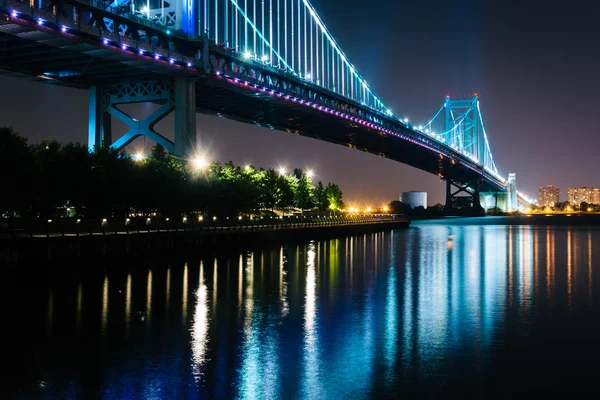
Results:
x,y
414,199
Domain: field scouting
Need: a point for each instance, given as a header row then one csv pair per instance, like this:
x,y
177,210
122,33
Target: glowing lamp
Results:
x,y
199,163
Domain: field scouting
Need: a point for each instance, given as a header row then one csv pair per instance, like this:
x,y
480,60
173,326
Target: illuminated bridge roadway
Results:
x,y
272,63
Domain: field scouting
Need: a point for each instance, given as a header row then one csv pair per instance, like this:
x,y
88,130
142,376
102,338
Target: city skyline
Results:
x,y
494,62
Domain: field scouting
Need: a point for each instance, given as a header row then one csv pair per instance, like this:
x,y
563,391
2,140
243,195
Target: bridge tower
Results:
x,y
176,95
463,128
512,192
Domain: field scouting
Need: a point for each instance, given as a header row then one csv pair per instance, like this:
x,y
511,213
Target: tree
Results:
x,y
44,178
16,173
334,197
269,188
285,195
304,196
398,207
321,197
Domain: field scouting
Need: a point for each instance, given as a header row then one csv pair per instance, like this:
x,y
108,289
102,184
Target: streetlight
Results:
x,y
199,162
282,170
138,157
310,173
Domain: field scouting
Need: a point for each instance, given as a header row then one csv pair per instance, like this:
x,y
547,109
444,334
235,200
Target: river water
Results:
x,y
453,308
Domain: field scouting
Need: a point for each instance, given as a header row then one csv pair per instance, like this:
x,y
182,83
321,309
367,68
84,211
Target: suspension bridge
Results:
x,y
272,63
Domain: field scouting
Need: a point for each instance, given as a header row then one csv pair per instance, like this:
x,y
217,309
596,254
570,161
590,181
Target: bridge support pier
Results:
x,y
470,198
178,95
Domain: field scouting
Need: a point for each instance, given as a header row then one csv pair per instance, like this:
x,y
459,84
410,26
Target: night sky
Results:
x,y
535,67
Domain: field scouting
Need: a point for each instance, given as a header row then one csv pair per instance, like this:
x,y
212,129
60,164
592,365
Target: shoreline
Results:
x,y
60,246
524,219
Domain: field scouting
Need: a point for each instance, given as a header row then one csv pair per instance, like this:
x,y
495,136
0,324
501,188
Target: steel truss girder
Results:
x,y
174,95
470,188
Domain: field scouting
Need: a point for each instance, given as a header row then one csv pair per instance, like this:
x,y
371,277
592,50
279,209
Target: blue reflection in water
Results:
x,y
259,370
311,380
200,327
378,315
391,314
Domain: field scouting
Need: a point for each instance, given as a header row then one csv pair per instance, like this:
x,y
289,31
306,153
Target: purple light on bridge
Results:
x,y
105,41
141,52
124,46
218,73
63,29
171,61
189,64
157,57
14,14
40,22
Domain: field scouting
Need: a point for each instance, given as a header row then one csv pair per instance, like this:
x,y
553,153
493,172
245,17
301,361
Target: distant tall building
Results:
x,y
576,196
414,199
549,196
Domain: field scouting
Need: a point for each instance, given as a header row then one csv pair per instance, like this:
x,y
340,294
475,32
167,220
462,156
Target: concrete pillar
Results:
x,y
185,117
448,206
99,129
477,197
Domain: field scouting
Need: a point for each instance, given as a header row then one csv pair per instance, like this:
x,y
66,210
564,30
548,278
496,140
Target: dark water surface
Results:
x,y
459,309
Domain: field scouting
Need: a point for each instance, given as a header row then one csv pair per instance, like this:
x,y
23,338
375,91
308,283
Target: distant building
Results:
x,y
584,194
414,199
549,196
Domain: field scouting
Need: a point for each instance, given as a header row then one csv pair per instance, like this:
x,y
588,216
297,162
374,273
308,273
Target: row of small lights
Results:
x,y
527,199
315,106
247,55
124,47
354,210
368,124
201,163
201,219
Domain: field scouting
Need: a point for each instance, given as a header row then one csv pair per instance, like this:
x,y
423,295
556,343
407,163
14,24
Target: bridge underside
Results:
x,y
29,52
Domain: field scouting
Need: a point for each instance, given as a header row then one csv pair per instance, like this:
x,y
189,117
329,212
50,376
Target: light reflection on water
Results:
x,y
434,307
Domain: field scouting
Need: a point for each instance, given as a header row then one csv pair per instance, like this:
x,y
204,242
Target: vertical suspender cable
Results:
x,y
278,30
217,21
285,33
305,45
311,49
317,70
322,59
270,30
293,37
299,38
